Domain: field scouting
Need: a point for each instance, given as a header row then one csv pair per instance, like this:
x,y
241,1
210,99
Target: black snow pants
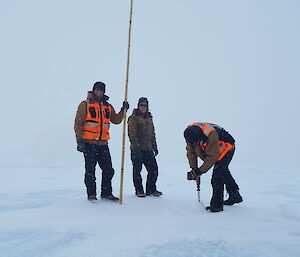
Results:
x,y
98,154
221,176
148,159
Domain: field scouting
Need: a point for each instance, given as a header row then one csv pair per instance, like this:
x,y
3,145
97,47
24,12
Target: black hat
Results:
x,y
193,134
99,86
143,100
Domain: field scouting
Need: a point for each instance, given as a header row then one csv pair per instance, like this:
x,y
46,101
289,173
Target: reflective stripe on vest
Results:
x,y
96,127
207,129
224,149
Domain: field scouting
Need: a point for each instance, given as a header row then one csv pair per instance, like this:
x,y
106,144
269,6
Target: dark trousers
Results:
x,y
98,154
221,176
148,159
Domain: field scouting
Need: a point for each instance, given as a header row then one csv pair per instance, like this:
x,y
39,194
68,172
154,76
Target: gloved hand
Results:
x,y
190,176
154,148
136,154
81,145
196,172
125,106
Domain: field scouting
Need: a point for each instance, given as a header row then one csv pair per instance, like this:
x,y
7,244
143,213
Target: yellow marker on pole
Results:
x,y
124,117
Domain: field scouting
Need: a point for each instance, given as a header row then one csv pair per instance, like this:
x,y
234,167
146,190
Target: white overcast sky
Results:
x,y
233,63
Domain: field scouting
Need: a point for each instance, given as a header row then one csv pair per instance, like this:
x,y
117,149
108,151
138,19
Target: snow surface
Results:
x,y
44,212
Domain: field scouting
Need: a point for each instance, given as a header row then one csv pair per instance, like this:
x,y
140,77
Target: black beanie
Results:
x,y
99,86
143,100
193,134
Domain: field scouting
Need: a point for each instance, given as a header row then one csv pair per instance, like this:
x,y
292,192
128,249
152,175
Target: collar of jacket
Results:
x,y
103,100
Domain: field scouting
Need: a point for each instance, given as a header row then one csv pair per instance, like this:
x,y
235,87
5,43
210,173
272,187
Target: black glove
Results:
x,y
154,148
81,145
190,176
125,106
196,172
136,154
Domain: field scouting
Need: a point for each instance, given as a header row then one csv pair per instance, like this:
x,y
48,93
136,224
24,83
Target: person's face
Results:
x,y
143,107
98,93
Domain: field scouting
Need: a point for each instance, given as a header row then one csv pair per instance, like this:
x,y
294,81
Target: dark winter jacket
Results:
x,y
141,131
80,118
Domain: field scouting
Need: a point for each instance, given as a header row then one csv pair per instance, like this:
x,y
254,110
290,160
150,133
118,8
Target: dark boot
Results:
x,y
140,193
92,198
154,193
110,197
234,197
214,208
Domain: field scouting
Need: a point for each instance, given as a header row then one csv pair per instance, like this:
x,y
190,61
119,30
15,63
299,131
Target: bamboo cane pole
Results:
x,y
126,94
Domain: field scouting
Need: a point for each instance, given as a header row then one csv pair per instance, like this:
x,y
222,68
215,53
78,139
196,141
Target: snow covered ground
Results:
x,y
44,212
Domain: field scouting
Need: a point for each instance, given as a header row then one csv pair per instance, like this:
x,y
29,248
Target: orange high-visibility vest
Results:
x,y
225,147
97,121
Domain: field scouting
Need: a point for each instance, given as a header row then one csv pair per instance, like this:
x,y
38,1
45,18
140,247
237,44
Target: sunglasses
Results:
x,y
143,105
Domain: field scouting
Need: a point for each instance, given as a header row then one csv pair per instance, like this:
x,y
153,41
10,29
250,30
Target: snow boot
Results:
x,y
110,197
154,193
92,198
140,193
234,197
214,208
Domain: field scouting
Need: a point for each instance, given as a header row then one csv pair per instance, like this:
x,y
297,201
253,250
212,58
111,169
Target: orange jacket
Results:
x,y
207,128
96,127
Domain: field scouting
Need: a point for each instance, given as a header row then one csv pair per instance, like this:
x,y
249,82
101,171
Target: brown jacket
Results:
x,y
80,118
141,131
209,155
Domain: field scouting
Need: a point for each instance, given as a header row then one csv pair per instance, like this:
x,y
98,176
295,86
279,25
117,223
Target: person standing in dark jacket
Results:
x,y
92,124
215,146
143,148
